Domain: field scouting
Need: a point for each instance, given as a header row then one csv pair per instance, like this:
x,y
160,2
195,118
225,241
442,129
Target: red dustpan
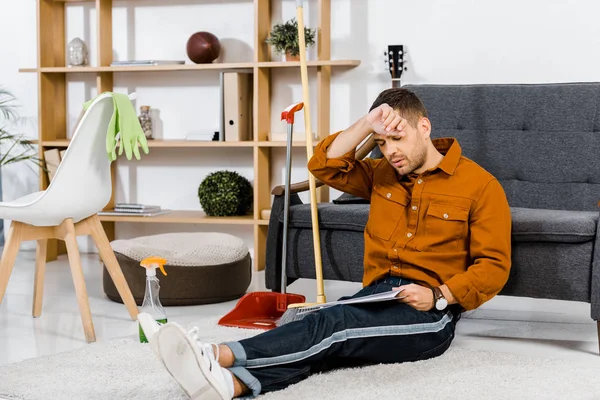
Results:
x,y
261,310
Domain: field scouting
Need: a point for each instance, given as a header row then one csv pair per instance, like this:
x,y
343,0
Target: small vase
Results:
x,y
289,57
146,121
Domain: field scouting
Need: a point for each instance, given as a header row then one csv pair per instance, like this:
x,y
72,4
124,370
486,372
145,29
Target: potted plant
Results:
x,y
13,148
284,38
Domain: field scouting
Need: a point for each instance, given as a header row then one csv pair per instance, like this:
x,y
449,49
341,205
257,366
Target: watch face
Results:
x,y
441,304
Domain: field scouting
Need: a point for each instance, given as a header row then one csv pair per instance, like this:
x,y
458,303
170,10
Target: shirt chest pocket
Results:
x,y
445,227
388,205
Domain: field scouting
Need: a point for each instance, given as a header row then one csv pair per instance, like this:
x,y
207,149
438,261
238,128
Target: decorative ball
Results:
x,y
203,47
225,193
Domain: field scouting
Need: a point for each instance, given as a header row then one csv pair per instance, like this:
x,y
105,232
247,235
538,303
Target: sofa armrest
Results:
x,y
295,187
361,152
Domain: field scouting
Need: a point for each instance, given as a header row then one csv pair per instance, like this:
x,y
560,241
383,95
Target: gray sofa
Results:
x,y
541,142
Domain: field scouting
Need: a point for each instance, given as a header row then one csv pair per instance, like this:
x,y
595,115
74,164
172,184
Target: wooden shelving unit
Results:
x,y
52,71
196,67
186,143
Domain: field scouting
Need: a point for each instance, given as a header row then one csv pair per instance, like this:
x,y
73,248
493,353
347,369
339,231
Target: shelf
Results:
x,y
164,143
53,112
186,143
322,63
268,143
195,67
183,217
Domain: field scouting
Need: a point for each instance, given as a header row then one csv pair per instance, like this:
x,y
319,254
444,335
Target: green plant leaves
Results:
x,y
284,37
19,149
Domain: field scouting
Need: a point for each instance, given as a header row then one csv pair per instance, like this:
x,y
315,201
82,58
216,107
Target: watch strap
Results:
x,y
437,293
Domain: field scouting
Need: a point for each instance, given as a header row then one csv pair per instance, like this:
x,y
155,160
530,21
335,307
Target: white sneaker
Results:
x,y
192,363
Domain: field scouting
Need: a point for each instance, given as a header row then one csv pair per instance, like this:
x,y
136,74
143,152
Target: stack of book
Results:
x,y
135,209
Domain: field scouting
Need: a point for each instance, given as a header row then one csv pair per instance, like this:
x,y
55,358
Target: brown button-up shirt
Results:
x,y
449,225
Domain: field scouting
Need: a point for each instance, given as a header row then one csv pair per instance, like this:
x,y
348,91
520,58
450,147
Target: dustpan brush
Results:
x,y
292,312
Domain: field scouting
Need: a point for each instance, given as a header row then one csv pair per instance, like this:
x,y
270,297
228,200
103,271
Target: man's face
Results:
x,y
408,153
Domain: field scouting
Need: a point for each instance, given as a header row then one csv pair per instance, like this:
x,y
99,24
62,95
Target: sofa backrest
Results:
x,y
542,141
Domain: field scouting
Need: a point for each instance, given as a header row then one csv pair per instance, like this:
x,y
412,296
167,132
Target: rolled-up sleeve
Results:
x,y
344,173
490,248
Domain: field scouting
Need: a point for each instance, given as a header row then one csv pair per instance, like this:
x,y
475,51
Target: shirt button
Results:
x,y
395,266
446,216
388,195
396,250
420,181
409,234
414,208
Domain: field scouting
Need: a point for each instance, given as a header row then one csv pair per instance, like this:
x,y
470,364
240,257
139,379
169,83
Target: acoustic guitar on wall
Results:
x,y
395,63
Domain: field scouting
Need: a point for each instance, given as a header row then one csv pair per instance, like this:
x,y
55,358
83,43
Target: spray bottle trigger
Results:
x,y
162,269
149,261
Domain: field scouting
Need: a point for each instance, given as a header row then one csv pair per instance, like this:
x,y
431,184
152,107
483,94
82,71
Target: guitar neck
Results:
x,y
395,63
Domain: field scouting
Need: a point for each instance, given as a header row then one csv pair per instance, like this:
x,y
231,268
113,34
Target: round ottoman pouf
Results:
x,y
201,267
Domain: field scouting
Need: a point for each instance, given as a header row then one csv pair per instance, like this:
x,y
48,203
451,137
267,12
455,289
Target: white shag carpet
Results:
x,y
127,369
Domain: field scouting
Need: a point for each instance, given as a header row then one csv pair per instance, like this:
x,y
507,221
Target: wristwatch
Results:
x,y
438,298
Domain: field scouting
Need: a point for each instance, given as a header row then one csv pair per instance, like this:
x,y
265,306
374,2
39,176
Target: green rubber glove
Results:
x,y
124,124
128,125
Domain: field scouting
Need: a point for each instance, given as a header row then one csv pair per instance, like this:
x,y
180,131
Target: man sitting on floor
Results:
x,y
439,228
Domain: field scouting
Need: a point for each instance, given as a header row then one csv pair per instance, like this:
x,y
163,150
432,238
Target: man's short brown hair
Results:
x,y
404,101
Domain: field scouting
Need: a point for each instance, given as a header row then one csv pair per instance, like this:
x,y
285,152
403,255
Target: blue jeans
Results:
x,y
343,336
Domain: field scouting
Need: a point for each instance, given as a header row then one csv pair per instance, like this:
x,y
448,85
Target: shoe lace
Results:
x,y
208,349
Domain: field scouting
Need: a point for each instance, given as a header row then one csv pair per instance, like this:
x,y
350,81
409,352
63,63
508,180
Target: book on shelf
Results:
x,y
235,106
135,209
52,159
114,213
145,62
237,95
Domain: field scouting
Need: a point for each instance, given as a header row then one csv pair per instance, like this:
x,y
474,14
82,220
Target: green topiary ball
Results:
x,y
225,193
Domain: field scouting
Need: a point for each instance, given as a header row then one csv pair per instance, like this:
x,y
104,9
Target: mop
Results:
x,y
293,309
262,310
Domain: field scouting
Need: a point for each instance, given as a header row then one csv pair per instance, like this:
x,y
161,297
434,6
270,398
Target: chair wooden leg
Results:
x,y
38,283
112,265
9,254
67,229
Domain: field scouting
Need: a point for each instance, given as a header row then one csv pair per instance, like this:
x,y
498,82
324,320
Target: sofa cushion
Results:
x,y
536,225
347,198
528,225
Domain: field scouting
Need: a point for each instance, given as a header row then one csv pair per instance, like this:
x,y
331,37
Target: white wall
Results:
x,y
447,41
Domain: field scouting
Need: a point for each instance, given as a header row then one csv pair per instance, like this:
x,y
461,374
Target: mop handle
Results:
x,y
309,153
288,116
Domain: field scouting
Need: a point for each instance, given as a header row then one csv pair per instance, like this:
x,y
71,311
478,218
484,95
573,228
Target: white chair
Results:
x,y
66,209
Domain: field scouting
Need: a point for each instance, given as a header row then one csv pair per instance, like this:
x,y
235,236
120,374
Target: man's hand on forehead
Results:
x,y
386,121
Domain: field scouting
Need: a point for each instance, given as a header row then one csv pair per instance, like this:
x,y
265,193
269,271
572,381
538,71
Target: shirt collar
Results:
x,y
451,151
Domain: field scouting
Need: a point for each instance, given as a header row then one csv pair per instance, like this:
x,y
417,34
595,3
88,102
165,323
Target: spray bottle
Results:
x,y
151,304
